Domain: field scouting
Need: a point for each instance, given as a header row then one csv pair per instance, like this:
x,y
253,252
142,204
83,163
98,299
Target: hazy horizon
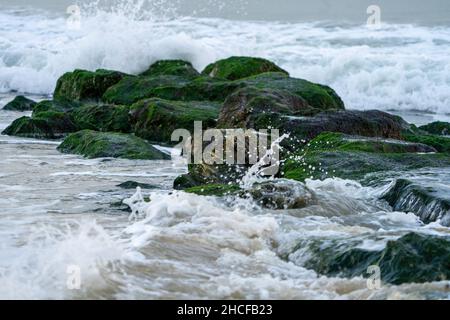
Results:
x,y
399,11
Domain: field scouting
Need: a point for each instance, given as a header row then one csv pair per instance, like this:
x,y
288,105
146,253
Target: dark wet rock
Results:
x,y
235,68
61,106
337,155
156,119
414,258
281,194
134,185
20,103
437,128
171,68
425,202
93,144
81,85
371,123
103,118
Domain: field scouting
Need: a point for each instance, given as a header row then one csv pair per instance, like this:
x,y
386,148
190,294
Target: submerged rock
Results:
x,y
82,85
93,144
156,119
171,68
103,118
281,194
20,103
214,190
235,68
424,202
414,258
134,185
437,128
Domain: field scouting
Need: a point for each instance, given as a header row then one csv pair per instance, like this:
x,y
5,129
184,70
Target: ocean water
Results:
x,y
59,211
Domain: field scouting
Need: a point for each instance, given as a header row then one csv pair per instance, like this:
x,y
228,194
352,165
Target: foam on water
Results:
x,y
398,67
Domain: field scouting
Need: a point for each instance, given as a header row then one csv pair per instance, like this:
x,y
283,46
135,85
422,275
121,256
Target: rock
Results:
x,y
48,125
81,85
240,67
134,185
440,143
281,194
171,68
337,155
437,128
156,119
63,106
424,202
20,103
414,258
103,118
93,144
217,190
372,123
169,87
316,95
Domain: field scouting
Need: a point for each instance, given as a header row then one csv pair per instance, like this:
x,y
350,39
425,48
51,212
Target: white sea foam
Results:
x,y
393,67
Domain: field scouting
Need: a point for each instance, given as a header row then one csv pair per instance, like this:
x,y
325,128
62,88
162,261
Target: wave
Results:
x,y
394,67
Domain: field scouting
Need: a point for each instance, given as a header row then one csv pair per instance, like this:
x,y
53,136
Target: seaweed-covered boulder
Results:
x,y
93,144
103,118
281,194
440,143
414,258
82,85
235,68
47,125
437,128
171,68
20,103
156,119
424,201
338,155
169,87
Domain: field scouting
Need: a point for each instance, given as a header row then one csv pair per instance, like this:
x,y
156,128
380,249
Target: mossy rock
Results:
x,y
103,118
217,190
440,143
171,68
82,85
316,95
235,68
20,103
425,202
156,119
414,258
334,155
169,87
93,144
437,128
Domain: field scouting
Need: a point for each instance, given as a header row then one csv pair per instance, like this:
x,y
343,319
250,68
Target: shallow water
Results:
x,y
62,211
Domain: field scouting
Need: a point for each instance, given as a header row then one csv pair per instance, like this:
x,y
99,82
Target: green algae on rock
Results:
x,y
101,117
93,144
81,85
235,68
20,103
171,68
437,128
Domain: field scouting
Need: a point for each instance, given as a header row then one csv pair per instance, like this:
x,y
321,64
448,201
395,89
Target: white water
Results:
x,y
398,66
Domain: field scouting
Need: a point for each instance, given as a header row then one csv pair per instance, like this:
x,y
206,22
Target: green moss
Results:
x,y
437,128
20,103
156,119
171,68
82,85
214,190
240,67
440,143
93,144
103,118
